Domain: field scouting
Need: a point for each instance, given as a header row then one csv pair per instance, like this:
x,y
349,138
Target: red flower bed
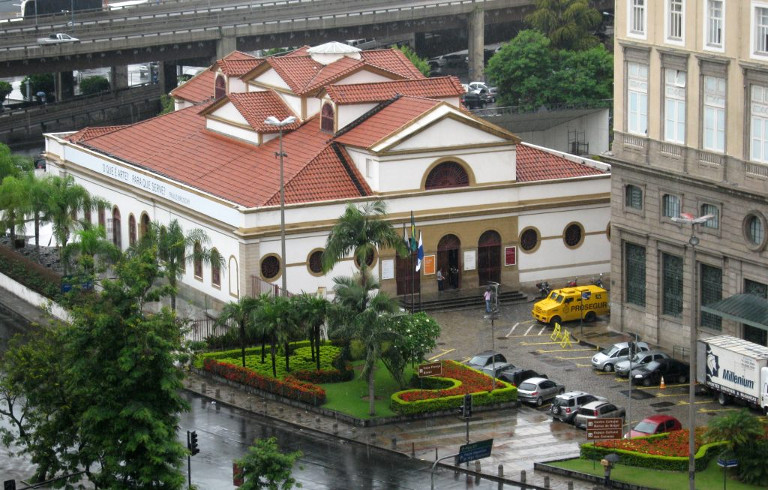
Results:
x,y
471,382
289,387
675,444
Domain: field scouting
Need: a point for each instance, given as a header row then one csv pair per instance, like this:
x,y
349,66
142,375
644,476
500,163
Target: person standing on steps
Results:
x,y
440,280
487,298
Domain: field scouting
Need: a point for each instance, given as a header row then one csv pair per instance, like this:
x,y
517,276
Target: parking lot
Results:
x,y
530,345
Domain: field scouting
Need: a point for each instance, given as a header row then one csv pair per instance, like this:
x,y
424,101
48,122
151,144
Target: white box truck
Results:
x,y
734,368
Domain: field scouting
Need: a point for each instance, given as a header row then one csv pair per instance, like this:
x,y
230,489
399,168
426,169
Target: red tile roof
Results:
x,y
392,60
297,71
335,71
257,106
88,133
238,63
178,146
438,87
534,164
385,120
197,89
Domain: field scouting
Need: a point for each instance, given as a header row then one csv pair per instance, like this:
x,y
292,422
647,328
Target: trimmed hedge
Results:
x,y
449,390
290,387
652,461
35,276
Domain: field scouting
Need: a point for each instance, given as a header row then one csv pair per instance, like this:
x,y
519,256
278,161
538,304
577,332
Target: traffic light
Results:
x,y
192,443
467,405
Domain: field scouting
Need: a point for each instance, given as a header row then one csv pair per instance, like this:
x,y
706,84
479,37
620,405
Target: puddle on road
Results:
x,y
638,394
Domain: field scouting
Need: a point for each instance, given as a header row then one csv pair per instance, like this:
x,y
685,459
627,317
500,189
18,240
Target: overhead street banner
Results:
x,y
609,428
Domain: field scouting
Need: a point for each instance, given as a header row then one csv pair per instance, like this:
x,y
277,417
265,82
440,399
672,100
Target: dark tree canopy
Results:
x,y
569,24
94,85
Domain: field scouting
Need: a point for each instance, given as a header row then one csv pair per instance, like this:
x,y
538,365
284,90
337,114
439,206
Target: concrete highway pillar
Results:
x,y
65,85
118,77
476,45
419,42
226,43
167,76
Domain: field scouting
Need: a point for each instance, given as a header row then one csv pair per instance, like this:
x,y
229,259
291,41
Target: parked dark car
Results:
x,y
518,375
484,358
473,100
672,370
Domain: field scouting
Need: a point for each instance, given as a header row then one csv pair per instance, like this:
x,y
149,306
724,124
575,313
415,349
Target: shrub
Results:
x,y
33,275
94,85
289,387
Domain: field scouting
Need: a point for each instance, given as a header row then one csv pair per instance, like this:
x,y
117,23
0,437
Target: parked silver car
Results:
x,y
597,410
564,407
622,368
538,390
607,358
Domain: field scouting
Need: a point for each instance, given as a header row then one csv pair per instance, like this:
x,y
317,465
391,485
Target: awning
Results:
x,y
743,308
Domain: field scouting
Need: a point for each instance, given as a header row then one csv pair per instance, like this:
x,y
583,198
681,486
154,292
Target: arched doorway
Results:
x,y
489,258
408,280
448,249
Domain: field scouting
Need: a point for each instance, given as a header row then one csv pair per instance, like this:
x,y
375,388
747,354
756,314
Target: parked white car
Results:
x,y
607,358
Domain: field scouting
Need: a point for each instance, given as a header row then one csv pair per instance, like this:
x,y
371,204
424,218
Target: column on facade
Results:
x,y
477,45
118,77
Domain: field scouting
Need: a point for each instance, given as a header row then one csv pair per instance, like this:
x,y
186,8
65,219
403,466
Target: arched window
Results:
x,y
87,212
144,225
220,87
489,257
102,217
327,118
198,261
234,276
445,175
131,229
117,236
215,268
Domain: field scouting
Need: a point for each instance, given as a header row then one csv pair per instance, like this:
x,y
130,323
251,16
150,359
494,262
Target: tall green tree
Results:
x,y
12,164
5,90
42,82
104,392
422,64
363,313
14,202
529,73
312,312
417,335
91,252
266,467
175,249
273,318
569,24
39,190
66,198
241,312
747,438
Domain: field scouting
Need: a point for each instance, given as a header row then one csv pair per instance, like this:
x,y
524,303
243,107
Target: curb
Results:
x,y
546,467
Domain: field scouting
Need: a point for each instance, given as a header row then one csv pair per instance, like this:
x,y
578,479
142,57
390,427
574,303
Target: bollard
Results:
x,y
436,458
317,420
202,388
413,449
264,406
501,471
335,429
394,443
218,393
570,485
477,471
522,476
546,482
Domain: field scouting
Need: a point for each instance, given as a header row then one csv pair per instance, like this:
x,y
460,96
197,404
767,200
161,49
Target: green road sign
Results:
x,y
475,450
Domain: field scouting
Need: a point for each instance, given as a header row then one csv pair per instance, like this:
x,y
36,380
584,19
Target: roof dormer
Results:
x,y
243,115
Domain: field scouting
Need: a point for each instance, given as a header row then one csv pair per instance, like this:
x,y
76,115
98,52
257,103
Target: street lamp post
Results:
x,y
687,218
273,121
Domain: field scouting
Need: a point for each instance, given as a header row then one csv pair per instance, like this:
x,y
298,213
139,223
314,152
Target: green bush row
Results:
x,y
652,461
33,275
501,395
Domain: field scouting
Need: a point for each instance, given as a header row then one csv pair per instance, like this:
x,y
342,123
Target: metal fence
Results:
x,y
201,329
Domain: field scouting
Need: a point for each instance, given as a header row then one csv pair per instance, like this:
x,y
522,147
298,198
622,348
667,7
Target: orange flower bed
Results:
x,y
674,444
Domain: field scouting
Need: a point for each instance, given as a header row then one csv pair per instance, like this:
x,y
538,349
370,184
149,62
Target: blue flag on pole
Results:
x,y
420,255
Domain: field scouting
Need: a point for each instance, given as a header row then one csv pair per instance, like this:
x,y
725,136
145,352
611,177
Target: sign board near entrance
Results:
x,y
429,265
431,369
609,428
510,255
475,450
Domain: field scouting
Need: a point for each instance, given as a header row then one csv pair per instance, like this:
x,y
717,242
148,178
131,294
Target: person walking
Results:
x,y
440,280
487,298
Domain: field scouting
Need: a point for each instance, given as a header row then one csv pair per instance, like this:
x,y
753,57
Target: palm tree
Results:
x,y
361,231
14,201
738,428
312,311
90,245
66,198
272,318
359,313
569,24
242,313
175,249
39,190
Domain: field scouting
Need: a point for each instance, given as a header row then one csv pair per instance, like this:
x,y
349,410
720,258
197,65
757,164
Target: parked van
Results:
x,y
569,304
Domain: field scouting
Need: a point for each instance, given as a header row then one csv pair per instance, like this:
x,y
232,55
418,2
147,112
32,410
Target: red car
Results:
x,y
655,424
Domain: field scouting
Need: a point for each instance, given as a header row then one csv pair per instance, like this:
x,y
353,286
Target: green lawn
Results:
x,y
351,397
709,479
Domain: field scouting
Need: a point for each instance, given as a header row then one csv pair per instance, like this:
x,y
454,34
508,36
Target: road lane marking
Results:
x,y
715,410
529,329
603,373
683,402
512,329
542,351
585,366
562,358
442,354
542,329
540,343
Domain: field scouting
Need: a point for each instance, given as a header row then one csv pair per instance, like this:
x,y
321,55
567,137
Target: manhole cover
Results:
x,y
662,404
501,346
535,353
441,343
639,394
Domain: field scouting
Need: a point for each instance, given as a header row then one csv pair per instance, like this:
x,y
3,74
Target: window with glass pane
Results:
x,y
637,17
761,30
759,121
634,268
714,221
715,23
711,286
670,206
674,106
634,197
637,98
755,230
675,20
672,285
714,114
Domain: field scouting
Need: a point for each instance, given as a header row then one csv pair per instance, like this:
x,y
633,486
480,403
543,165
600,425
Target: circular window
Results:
x,y
315,262
608,231
529,239
270,267
573,235
754,231
369,259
